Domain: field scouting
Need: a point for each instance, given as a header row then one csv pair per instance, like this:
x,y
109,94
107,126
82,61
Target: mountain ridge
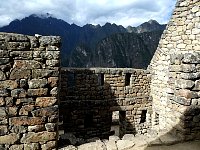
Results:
x,y
74,38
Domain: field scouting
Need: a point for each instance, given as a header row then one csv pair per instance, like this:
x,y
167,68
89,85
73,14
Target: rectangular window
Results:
x,y
71,79
88,122
127,79
143,116
101,79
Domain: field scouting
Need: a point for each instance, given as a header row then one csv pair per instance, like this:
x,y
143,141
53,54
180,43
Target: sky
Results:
x,y
81,12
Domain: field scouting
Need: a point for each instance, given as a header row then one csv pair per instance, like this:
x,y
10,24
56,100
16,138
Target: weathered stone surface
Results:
x,y
37,83
111,145
4,61
53,41
19,129
37,92
54,91
52,63
184,84
36,128
3,112
17,147
187,94
2,101
18,93
24,111
3,130
50,127
27,64
197,85
4,92
18,45
32,137
45,101
41,73
48,111
53,81
9,139
49,145
93,145
2,75
8,84
20,74
12,111
24,101
124,144
32,146
21,55
26,120
191,58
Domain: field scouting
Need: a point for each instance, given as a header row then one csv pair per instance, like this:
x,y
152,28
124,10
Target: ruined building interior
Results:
x,y
36,93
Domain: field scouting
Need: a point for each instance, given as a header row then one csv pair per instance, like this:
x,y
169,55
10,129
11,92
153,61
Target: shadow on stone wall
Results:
x,y
187,129
85,105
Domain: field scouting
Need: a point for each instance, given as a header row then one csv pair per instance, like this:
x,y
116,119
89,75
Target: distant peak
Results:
x,y
153,21
42,16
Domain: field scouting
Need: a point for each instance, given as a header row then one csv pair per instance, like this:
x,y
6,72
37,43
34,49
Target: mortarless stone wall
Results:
x,y
89,96
176,74
29,69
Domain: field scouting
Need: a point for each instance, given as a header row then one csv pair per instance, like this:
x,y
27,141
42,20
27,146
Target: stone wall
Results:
x,y
175,74
89,96
29,69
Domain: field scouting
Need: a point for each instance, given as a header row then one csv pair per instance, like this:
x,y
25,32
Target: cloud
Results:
x,y
122,12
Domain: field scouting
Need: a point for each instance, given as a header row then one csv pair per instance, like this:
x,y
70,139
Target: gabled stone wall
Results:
x,y
175,74
29,70
93,94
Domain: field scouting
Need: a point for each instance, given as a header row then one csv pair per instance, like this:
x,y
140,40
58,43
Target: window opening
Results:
x,y
88,120
127,79
143,116
101,79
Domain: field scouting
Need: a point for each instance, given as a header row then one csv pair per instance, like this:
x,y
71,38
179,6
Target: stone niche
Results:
x,y
176,75
29,70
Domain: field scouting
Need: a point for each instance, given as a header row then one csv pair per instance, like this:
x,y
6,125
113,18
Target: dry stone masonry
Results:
x,y
89,96
162,100
175,84
29,69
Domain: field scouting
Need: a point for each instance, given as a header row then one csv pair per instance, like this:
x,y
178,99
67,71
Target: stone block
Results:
x,y
32,146
18,46
4,92
25,101
41,73
49,145
52,63
53,81
18,93
54,91
191,58
37,83
2,101
18,129
4,61
27,64
36,128
184,84
50,127
187,94
23,55
26,120
12,111
24,111
190,76
197,85
9,139
20,74
3,130
47,111
49,41
17,147
45,101
32,137
8,84
2,75
37,92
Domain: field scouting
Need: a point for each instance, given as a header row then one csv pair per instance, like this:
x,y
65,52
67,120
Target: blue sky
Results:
x,y
81,12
